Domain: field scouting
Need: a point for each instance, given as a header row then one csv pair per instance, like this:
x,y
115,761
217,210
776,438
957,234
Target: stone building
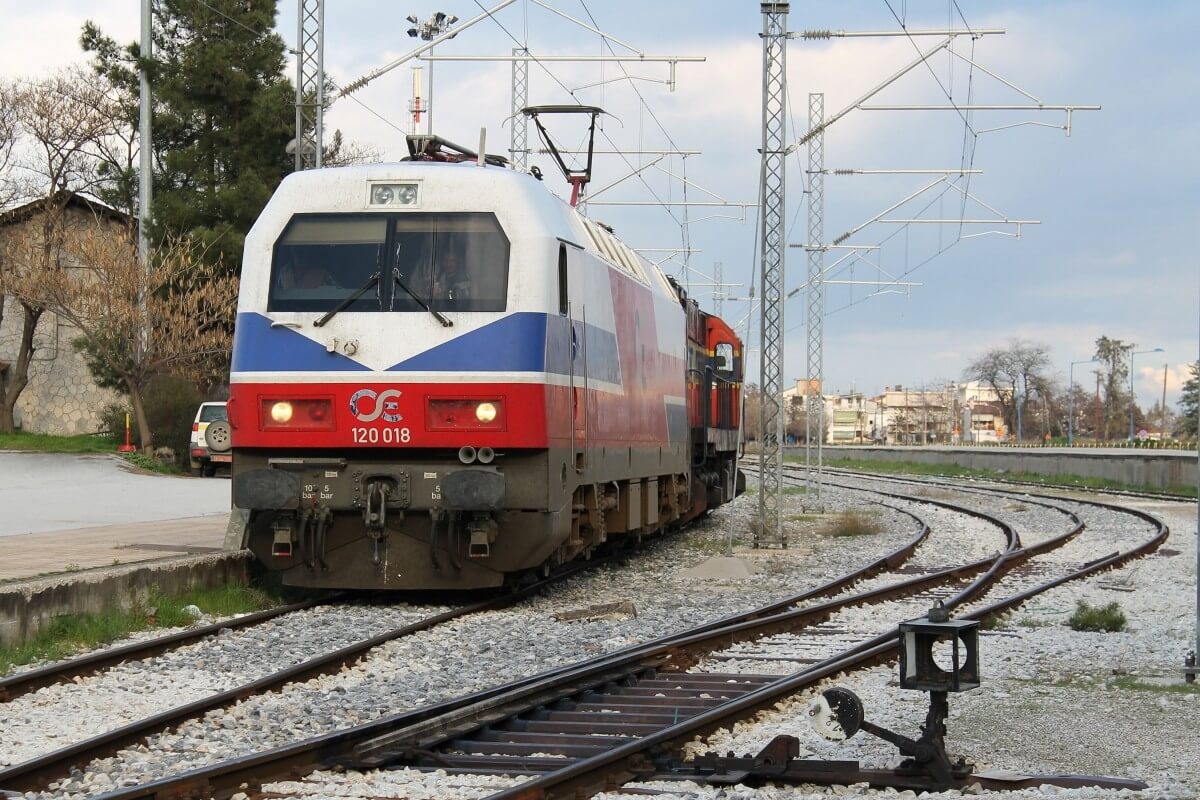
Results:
x,y
61,398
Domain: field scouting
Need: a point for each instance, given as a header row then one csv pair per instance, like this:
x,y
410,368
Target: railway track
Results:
x,y
521,716
37,772
43,771
14,686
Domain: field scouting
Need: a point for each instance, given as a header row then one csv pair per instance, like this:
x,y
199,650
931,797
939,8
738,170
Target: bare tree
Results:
x,y
1016,374
136,322
340,153
8,141
751,410
8,193
1114,355
58,121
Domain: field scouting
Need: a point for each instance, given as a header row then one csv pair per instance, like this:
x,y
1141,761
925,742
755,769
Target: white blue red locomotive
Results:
x,y
443,376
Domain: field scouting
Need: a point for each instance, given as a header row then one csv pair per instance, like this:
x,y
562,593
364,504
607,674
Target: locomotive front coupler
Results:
x,y
375,512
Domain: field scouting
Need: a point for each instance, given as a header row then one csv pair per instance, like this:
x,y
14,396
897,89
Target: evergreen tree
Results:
x,y
1189,401
223,115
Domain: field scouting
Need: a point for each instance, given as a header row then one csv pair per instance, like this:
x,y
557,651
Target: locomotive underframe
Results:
x,y
423,520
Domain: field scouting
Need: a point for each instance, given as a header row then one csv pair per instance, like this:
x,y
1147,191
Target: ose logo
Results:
x,y
387,405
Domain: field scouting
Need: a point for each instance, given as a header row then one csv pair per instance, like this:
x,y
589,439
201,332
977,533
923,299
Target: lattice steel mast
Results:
x,y
310,83
769,529
518,147
815,418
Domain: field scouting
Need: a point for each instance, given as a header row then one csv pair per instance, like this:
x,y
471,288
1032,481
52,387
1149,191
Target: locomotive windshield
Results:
x,y
441,262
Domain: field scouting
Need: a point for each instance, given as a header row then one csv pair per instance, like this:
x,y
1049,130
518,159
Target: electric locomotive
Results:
x,y
445,377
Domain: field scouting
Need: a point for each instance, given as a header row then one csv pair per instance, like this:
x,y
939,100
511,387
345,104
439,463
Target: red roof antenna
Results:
x,y
577,178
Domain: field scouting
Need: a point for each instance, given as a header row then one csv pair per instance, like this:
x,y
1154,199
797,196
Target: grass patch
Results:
x,y
955,471
42,443
795,490
82,444
150,464
1106,619
853,523
1127,683
73,633
1133,684
1008,620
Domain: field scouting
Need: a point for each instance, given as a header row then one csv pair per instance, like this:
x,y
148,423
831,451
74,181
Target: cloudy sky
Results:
x,y
1113,199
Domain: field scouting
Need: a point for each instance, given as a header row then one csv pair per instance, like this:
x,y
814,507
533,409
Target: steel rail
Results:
x,y
628,762
38,772
224,779
14,686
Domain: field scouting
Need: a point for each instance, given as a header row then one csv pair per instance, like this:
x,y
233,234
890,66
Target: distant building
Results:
x,y
916,416
850,418
61,398
982,414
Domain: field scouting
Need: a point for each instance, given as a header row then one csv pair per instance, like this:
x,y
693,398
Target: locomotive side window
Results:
x,y
562,280
395,262
723,360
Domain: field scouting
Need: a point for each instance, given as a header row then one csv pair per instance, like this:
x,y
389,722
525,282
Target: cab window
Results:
x,y
397,262
723,360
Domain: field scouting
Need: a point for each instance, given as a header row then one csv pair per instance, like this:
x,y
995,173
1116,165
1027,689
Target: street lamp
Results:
x,y
1132,400
435,26
1071,400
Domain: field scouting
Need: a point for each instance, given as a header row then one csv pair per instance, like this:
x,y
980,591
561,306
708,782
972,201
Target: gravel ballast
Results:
x,y
1052,700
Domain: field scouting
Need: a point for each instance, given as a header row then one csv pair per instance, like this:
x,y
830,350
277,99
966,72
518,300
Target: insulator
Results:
x,y
825,34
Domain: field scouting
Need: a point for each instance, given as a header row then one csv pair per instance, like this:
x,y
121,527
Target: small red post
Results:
x,y
127,447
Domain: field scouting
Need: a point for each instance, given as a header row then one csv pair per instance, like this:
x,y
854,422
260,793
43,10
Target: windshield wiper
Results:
x,y
342,306
440,317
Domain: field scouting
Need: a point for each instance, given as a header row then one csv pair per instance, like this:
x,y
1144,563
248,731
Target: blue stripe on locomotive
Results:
x,y
518,342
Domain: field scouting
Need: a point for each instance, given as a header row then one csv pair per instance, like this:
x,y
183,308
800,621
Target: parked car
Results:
x,y
203,457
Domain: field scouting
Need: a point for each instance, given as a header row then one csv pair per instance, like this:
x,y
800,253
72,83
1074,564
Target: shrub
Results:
x,y
171,404
853,523
1107,619
112,421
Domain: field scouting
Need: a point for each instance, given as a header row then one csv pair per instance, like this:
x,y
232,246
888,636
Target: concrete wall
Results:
x,y
26,607
1157,469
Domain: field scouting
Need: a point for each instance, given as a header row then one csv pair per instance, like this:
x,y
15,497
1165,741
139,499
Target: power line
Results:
x,y
665,206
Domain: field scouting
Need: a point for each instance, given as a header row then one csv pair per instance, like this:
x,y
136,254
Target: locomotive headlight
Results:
x,y
281,412
464,414
392,194
485,412
297,414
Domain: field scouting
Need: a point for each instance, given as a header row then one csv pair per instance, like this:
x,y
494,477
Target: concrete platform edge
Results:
x,y
27,606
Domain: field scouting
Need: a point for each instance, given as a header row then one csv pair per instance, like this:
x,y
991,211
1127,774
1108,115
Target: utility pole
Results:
x,y
1162,408
769,529
145,150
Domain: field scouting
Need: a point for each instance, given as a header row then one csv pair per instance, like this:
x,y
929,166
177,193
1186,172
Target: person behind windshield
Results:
x,y
450,278
303,274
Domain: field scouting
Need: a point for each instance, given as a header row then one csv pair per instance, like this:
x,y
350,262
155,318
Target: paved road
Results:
x,y
52,492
